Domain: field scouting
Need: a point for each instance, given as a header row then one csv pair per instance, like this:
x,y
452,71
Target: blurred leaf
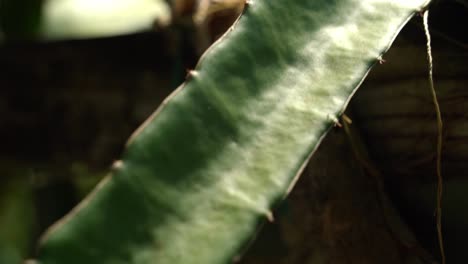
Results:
x,y
100,18
76,19
16,221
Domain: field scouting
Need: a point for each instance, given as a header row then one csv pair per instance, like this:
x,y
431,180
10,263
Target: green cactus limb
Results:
x,y
198,177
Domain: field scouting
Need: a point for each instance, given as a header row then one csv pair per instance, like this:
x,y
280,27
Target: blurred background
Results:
x,y
75,82
71,96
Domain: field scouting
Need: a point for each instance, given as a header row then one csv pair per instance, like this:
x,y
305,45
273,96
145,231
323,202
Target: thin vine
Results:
x,y
439,139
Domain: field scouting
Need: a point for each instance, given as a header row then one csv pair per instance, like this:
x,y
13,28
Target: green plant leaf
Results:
x,y
198,177
16,217
77,19
100,18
